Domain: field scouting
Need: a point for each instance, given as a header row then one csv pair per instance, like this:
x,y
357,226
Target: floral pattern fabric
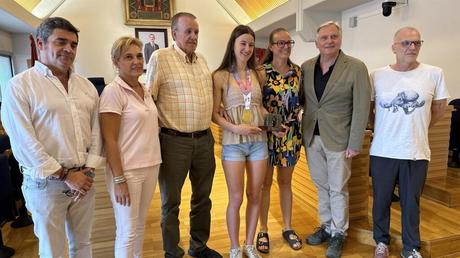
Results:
x,y
282,95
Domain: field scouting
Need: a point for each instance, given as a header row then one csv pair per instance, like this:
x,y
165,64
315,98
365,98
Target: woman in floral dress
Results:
x,y
282,96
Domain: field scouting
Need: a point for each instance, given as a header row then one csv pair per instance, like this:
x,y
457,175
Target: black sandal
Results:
x,y
293,239
261,243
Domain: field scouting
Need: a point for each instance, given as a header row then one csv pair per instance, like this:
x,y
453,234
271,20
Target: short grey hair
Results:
x,y
175,19
405,28
46,28
336,24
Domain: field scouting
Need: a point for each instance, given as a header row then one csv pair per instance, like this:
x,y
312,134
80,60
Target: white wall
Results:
x,y
370,41
6,44
100,24
21,52
438,22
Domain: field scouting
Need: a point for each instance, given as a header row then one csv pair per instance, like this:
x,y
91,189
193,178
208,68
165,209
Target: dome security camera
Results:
x,y
386,7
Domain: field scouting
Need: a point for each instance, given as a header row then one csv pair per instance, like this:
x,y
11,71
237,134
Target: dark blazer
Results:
x,y
343,109
148,50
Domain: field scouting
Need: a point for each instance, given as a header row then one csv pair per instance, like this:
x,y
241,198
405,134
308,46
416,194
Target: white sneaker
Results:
x,y
235,253
410,254
381,251
250,251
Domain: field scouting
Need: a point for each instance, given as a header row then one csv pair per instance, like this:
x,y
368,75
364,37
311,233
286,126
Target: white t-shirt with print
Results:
x,y
403,110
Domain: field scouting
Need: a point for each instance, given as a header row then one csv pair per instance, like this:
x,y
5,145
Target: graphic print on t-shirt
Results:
x,y
406,100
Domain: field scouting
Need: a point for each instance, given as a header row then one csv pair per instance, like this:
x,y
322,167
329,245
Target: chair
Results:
x,y
454,143
98,82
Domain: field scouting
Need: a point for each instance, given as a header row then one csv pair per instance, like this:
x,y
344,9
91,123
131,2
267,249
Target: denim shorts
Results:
x,y
245,151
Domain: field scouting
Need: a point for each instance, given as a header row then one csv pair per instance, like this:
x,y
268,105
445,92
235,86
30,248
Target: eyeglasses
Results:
x,y
282,43
408,43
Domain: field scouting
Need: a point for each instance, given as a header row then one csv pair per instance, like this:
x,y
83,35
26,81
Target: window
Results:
x,y
6,71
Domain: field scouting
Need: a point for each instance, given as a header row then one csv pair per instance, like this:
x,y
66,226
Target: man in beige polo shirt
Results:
x,y
181,86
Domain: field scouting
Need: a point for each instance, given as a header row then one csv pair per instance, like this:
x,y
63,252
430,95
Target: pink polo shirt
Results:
x,y
138,139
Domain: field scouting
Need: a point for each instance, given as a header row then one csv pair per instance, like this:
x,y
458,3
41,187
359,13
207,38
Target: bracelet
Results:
x,y
119,179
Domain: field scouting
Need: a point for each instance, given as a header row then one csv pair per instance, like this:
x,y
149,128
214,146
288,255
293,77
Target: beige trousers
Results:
x,y
330,171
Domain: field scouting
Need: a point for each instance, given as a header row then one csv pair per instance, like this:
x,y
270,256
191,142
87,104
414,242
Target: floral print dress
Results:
x,y
282,95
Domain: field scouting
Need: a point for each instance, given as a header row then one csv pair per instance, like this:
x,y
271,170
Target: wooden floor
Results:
x,y
438,222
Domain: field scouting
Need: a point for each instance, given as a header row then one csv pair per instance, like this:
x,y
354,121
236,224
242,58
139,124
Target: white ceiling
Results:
x,y
15,19
318,11
337,5
13,24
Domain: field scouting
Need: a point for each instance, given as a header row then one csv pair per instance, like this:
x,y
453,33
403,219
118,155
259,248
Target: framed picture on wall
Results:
x,y
260,55
152,40
148,12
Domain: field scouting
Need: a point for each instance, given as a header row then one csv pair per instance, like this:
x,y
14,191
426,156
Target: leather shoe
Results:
x,y
205,253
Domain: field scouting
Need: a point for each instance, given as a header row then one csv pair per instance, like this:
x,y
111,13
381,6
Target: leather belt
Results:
x,y
21,168
173,132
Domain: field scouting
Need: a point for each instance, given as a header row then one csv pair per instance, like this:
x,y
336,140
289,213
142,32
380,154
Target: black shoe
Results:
x,y
453,164
320,236
6,252
22,221
205,253
394,197
334,250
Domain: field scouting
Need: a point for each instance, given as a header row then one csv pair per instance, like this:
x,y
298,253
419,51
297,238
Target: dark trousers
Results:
x,y
182,156
411,175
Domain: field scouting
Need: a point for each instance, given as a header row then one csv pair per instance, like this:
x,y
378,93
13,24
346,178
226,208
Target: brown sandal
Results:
x,y
293,239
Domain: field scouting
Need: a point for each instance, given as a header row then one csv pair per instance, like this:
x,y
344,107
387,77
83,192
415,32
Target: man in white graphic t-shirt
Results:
x,y
408,98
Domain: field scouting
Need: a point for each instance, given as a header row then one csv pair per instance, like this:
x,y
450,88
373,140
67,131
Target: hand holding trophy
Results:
x,y
272,122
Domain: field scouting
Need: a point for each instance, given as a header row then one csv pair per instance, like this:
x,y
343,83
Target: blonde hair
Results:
x,y
121,45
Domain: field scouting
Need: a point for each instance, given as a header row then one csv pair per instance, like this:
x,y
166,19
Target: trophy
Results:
x,y
272,122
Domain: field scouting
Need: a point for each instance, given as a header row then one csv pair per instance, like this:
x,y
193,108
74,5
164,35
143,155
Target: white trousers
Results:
x,y
130,220
330,171
56,216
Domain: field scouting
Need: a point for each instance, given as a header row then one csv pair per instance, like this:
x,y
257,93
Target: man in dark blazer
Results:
x,y
150,47
337,99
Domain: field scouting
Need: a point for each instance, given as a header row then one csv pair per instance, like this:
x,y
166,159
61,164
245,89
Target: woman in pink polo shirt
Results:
x,y
129,127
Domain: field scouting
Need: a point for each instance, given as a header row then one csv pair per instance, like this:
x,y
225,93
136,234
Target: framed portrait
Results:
x,y
148,12
152,40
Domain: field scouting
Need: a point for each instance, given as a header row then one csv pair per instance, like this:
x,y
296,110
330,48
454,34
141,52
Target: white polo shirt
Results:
x,y
138,140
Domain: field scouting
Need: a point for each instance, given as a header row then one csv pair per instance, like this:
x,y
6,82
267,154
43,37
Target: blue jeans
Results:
x,y
56,216
245,151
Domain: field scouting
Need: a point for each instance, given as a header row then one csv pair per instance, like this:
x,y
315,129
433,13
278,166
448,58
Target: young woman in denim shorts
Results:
x,y
237,85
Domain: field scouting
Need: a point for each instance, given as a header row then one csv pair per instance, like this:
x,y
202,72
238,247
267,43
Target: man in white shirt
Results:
x,y
51,116
408,98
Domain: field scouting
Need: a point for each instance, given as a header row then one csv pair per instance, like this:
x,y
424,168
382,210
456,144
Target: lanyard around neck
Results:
x,y
245,88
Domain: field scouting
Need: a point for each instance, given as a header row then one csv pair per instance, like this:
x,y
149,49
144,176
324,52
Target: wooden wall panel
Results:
x,y
439,144
304,189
